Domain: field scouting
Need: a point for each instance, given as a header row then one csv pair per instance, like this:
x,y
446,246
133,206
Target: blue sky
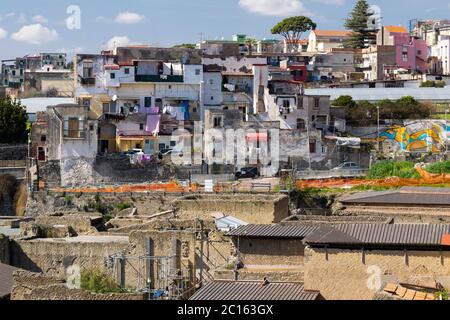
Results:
x,y
40,25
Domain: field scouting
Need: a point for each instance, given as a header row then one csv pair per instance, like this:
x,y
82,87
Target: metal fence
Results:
x,y
327,174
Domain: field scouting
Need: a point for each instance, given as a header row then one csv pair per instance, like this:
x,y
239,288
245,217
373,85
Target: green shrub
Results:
x,y
122,206
442,294
386,169
68,200
99,282
438,167
433,84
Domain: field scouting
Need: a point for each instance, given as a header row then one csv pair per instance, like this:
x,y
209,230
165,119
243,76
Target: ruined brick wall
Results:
x,y
258,209
4,249
348,275
256,251
35,286
54,256
43,203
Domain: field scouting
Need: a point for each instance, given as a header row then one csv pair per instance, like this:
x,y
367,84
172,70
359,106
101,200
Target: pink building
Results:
x,y
411,53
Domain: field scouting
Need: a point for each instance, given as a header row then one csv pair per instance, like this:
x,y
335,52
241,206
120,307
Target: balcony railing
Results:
x,y
158,78
87,81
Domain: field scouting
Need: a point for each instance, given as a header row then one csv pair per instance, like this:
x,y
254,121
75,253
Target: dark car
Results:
x,y
249,172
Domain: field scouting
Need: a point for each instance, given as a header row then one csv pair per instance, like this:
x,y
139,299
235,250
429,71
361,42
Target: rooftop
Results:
x,y
417,235
253,291
332,33
377,94
35,105
396,29
408,197
273,231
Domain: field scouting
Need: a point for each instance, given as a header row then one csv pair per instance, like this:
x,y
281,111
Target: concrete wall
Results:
x,y
350,275
258,251
259,209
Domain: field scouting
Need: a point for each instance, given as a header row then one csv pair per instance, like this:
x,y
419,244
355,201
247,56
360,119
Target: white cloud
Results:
x,y
275,7
118,41
35,34
129,18
3,33
40,19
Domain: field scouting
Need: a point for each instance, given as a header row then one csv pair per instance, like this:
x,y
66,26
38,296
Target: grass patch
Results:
x,y
99,282
386,169
122,206
438,167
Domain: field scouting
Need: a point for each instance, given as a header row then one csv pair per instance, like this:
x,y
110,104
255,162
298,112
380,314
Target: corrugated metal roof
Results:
x,y
377,94
240,290
273,231
6,279
406,197
381,234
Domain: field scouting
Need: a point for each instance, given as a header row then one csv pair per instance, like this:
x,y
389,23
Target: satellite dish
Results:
x,y
114,97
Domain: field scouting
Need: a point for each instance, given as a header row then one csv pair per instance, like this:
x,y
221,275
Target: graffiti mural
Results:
x,y
418,136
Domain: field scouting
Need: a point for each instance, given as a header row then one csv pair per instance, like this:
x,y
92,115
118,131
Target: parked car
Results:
x,y
167,152
248,172
347,166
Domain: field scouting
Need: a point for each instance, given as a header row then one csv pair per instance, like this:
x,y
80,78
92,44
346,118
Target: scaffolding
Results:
x,y
160,278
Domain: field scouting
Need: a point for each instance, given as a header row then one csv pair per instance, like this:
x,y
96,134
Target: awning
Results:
x,y
349,142
261,136
153,122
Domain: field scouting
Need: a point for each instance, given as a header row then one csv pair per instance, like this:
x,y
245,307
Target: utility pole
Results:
x,y
446,134
378,128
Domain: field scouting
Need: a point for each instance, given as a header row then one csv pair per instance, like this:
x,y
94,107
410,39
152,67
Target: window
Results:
x,y
141,126
217,122
212,98
74,128
147,102
173,143
197,72
316,102
88,68
127,70
113,75
105,107
301,125
43,138
86,102
286,104
405,57
312,146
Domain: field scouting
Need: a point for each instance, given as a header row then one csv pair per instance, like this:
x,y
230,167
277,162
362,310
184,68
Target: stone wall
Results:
x,y
54,256
256,251
35,286
4,249
44,203
351,275
258,209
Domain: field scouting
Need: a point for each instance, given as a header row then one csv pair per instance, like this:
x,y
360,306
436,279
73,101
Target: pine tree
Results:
x,y
358,23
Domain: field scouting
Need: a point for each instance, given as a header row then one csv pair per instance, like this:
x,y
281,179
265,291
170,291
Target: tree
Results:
x,y
13,121
293,28
358,23
186,46
250,42
344,101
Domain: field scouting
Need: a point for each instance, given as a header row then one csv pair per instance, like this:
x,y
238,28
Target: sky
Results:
x,y
88,26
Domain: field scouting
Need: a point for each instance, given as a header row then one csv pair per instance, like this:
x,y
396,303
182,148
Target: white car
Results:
x,y
347,166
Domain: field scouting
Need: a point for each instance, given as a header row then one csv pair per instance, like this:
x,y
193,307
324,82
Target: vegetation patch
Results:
x,y
99,282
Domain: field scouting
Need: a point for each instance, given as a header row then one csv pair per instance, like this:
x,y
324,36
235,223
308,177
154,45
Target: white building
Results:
x,y
441,51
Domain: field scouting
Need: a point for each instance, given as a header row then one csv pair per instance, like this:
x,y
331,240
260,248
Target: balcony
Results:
x,y
87,81
158,78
